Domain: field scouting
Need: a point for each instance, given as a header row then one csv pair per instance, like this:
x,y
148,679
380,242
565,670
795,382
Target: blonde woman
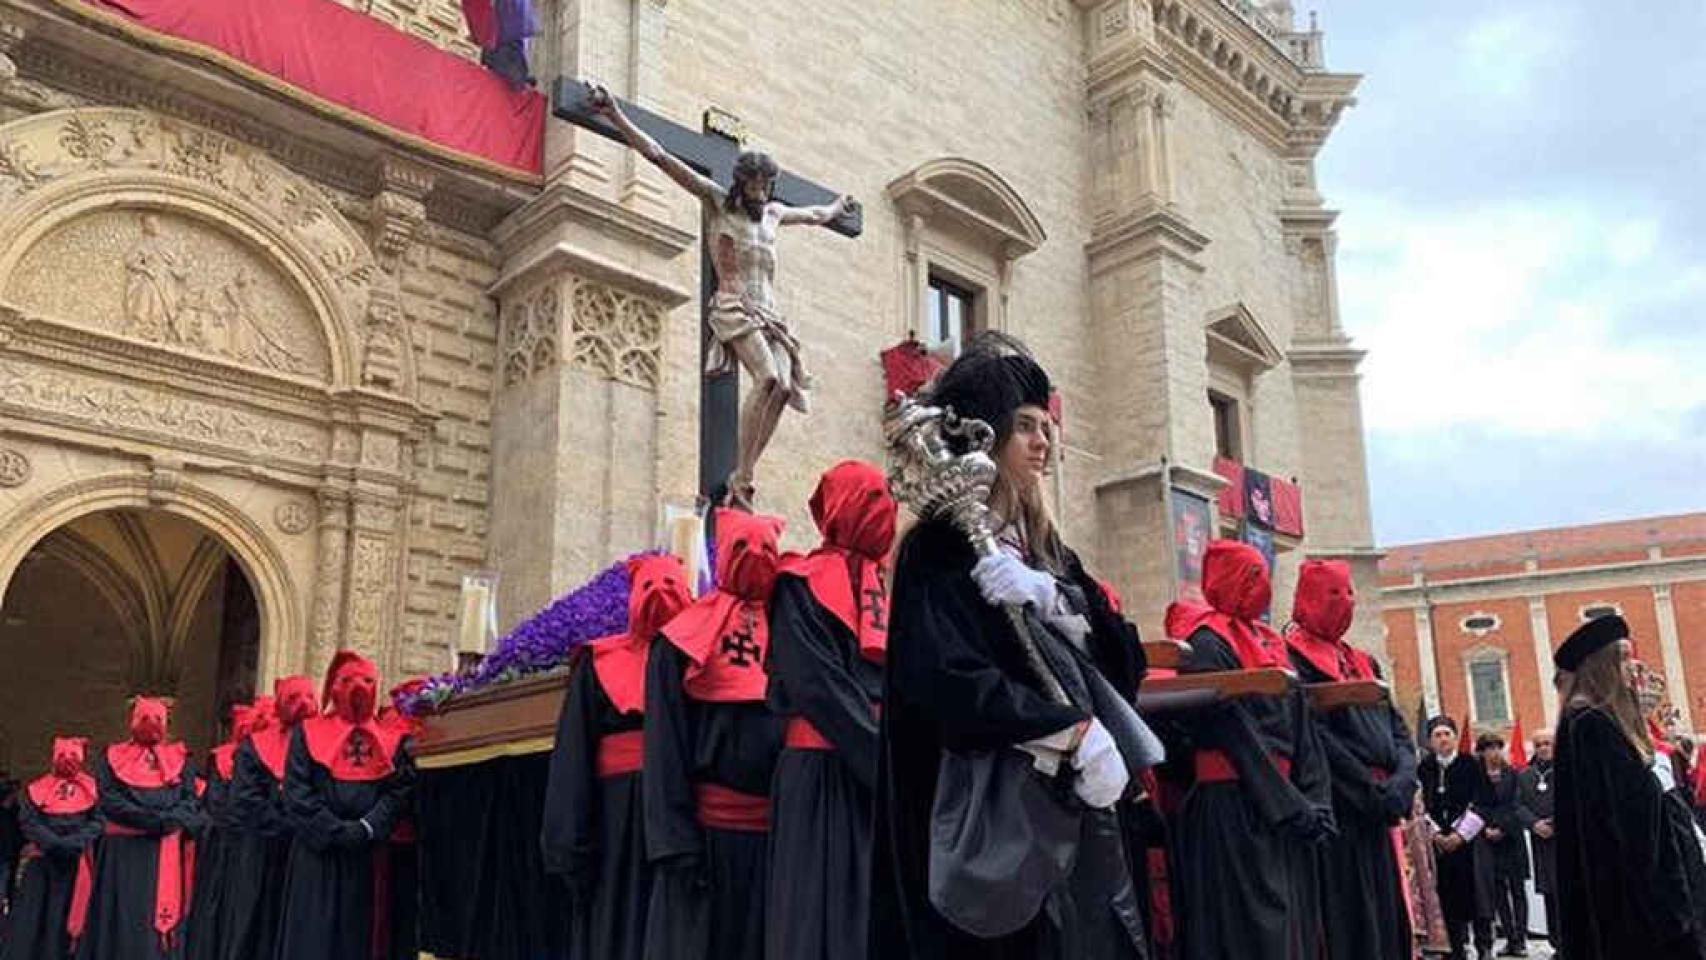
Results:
x,y
1629,871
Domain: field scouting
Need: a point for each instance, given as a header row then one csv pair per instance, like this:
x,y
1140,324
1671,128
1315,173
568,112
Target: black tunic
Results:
x,y
1499,803
329,903
820,832
1447,792
593,833
708,891
1243,855
1535,791
35,928
1372,760
257,846
121,907
1624,862
958,680
202,936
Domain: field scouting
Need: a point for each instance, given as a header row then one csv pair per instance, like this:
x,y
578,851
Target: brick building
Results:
x,y
275,375
1471,624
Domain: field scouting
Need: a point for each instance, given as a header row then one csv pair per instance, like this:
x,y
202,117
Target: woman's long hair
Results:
x,y
1599,682
1027,506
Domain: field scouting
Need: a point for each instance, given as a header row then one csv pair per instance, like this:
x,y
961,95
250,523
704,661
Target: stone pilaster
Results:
x,y
1670,650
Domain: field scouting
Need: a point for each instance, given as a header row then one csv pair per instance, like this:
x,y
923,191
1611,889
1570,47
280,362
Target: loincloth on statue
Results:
x,y
732,317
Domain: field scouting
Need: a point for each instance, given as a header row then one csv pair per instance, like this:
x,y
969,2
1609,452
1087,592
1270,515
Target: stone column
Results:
x,y
1670,647
1541,629
329,578
1426,659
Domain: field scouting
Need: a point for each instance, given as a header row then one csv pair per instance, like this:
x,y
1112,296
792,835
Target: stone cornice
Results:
x,y
1248,75
1156,232
1326,359
1527,583
561,202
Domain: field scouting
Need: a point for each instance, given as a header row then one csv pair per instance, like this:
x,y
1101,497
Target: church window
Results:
x,y
1489,689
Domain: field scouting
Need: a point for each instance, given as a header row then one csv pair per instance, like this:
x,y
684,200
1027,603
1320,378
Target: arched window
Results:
x,y
1487,671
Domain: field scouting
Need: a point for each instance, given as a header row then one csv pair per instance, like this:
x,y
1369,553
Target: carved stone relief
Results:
x,y
609,333
175,281
14,468
530,335
293,516
112,405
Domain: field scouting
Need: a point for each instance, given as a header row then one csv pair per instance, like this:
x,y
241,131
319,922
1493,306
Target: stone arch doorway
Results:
x,y
117,602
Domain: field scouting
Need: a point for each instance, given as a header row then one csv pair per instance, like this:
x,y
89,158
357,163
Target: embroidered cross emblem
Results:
x,y
150,760
743,651
358,749
874,598
65,790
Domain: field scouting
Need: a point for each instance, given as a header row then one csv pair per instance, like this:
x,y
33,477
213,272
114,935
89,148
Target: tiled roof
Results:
x,y
1559,543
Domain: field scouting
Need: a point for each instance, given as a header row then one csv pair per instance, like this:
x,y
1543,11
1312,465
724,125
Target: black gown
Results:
x,y
257,847
957,679
1447,792
709,885
1625,862
593,832
121,905
1499,803
1372,761
35,928
820,833
1244,851
202,937
329,902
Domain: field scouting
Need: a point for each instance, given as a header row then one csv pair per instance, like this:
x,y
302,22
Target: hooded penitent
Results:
x,y
68,788
1235,583
1321,614
657,592
243,716
856,515
349,740
293,702
726,634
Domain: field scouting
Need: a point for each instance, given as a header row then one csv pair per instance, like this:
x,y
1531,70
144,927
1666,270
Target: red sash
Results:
x,y
722,808
620,753
78,915
1214,766
168,880
802,735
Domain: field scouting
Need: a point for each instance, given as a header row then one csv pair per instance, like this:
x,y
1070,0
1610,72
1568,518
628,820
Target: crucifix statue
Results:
x,y
746,327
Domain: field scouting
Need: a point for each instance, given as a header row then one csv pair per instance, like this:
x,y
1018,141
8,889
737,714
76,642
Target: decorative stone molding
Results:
x,y
386,363
1598,608
1237,339
1480,623
398,210
293,517
589,326
14,468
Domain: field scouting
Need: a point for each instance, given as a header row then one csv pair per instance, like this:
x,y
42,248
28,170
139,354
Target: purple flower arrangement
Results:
x,y
539,644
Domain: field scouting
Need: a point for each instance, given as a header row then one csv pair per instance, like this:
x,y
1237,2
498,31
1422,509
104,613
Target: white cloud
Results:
x,y
1504,54
1514,319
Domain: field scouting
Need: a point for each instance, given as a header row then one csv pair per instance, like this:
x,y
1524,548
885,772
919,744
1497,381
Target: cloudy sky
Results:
x,y
1522,251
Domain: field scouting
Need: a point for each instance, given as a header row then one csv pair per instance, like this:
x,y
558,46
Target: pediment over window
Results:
x,y
975,197
1237,338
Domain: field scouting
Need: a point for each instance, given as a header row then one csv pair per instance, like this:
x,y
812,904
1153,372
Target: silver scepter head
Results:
x,y
927,476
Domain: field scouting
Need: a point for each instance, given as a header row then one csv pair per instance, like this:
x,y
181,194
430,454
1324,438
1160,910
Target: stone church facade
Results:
x,y
240,327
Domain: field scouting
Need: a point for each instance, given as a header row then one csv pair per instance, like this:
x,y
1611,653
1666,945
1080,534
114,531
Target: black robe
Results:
x,y
1243,852
1447,792
593,832
1364,913
35,927
1535,791
709,884
121,906
202,936
1624,861
1499,803
958,679
256,849
329,890
820,833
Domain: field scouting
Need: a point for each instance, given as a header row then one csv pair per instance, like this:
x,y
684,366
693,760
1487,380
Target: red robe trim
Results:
x,y
334,743
1236,585
147,767
225,760
271,745
727,639
830,573
57,795
620,662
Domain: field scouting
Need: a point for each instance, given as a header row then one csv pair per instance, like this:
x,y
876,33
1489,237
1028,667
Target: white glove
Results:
x,y
1102,776
1004,579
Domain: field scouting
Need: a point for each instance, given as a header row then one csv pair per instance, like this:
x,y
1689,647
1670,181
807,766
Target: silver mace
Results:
x,y
931,479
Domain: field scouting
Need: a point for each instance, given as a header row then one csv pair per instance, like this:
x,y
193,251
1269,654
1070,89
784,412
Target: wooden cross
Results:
x,y
712,154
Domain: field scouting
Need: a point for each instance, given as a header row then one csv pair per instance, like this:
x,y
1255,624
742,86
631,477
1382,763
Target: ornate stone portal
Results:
x,y
187,326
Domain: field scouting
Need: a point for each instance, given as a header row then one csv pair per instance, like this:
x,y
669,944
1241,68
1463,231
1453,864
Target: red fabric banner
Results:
x,y
1288,506
1230,500
356,62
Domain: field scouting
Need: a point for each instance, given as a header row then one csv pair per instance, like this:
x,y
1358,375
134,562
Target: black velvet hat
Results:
x,y
1589,639
993,376
1441,721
